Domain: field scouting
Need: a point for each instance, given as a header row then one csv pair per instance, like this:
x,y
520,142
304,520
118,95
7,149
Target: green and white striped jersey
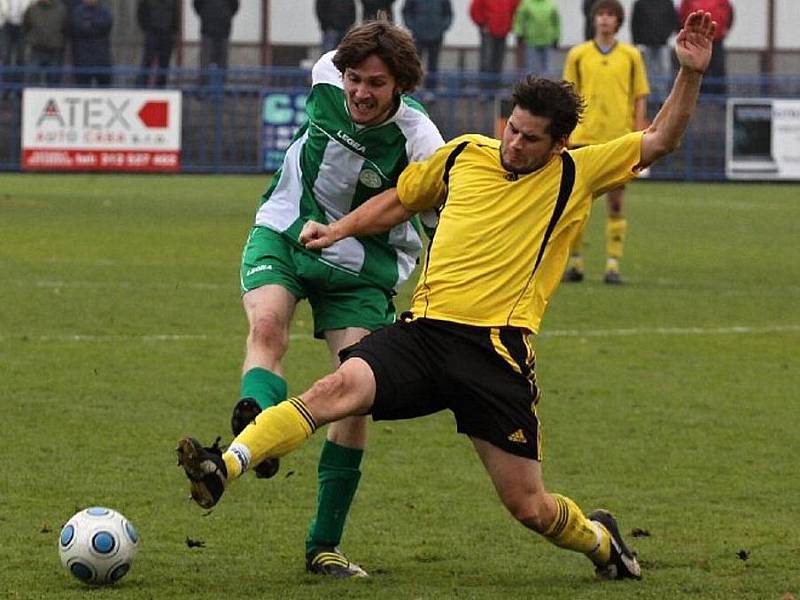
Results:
x,y
333,165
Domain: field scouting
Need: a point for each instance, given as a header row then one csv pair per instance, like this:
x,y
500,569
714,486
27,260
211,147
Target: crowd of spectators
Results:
x,y
46,34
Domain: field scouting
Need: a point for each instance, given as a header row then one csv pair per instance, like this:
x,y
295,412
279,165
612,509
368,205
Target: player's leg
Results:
x,y
270,292
344,312
616,227
495,404
518,481
277,430
574,272
338,474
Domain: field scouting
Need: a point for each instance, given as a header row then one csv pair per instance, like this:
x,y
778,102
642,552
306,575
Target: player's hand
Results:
x,y
693,45
316,236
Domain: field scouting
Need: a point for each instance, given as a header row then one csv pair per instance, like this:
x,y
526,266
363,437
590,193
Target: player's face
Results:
x,y
371,91
527,144
605,23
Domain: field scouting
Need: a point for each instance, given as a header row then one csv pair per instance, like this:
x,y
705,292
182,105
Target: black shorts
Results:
x,y
484,375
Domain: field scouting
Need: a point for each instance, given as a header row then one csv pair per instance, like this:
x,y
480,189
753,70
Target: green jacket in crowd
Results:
x,y
537,23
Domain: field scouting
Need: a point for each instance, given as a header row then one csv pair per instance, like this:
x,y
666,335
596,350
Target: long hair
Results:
x,y
391,43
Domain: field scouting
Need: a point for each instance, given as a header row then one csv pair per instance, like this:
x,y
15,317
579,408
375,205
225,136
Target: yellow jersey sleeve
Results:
x,y
421,185
570,66
606,166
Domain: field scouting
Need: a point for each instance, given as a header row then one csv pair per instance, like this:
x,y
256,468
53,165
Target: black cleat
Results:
x,y
244,413
572,275
332,563
623,563
613,278
205,470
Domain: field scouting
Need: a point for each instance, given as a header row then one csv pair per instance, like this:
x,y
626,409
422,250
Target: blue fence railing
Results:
x,y
222,111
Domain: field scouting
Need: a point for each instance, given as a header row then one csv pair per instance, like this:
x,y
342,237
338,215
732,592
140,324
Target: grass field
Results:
x,y
671,401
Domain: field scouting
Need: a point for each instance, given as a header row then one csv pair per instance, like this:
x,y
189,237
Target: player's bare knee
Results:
x,y
268,331
528,509
328,393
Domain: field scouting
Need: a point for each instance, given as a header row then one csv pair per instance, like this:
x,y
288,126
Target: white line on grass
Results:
x,y
599,333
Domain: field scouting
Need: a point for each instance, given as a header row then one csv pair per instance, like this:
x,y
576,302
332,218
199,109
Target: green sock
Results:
x,y
338,477
265,387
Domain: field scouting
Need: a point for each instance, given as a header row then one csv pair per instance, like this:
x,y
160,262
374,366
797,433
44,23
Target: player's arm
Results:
x,y
693,48
378,214
419,188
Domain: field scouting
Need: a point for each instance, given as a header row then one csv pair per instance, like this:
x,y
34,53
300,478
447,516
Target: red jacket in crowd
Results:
x,y
494,15
721,12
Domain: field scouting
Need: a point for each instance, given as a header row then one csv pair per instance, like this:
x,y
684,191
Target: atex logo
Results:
x,y
103,130
101,113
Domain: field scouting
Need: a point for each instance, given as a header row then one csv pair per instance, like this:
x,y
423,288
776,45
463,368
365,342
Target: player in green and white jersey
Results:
x,y
361,131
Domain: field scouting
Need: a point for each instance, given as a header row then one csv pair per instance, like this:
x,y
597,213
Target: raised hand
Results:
x,y
693,45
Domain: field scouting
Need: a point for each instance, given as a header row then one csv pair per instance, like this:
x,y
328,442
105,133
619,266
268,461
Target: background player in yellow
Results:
x,y
508,212
611,77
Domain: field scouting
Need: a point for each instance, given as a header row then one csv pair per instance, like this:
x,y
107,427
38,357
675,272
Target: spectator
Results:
x,y
45,25
721,12
373,7
652,22
335,18
428,20
159,22
215,30
588,25
538,26
90,25
493,18
13,38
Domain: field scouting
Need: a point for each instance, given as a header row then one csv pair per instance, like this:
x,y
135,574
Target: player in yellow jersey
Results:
x,y
509,210
611,77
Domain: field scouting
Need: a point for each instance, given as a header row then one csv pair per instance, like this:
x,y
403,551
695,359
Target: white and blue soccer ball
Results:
x,y
97,545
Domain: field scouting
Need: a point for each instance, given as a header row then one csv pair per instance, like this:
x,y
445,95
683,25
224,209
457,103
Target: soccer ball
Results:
x,y
97,545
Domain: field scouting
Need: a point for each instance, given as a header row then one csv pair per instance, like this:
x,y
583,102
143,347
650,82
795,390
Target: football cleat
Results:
x,y
623,563
613,278
244,413
333,563
572,275
205,470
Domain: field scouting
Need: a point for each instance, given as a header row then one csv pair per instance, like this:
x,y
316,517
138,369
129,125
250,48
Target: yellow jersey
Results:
x,y
609,82
503,239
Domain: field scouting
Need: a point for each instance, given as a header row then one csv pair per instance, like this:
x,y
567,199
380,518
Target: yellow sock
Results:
x,y
275,432
572,530
615,237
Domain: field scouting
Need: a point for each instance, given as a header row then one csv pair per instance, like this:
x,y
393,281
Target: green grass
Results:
x,y
671,401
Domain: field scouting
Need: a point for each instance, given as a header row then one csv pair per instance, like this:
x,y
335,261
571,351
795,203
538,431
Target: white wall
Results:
x,y
294,22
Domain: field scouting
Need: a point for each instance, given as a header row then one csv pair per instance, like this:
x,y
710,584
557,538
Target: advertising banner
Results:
x,y
763,139
101,130
281,114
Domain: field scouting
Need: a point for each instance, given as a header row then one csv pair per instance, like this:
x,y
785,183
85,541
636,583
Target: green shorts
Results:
x,y
338,299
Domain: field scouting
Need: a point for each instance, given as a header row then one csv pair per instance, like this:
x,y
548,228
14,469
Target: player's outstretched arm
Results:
x,y
378,214
693,49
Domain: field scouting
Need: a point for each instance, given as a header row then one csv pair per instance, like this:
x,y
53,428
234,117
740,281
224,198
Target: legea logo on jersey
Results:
x,y
360,148
370,179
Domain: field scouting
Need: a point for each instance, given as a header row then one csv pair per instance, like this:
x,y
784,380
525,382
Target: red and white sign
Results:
x,y
101,130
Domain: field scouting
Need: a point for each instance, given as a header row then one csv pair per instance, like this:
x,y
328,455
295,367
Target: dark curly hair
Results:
x,y
391,43
555,100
